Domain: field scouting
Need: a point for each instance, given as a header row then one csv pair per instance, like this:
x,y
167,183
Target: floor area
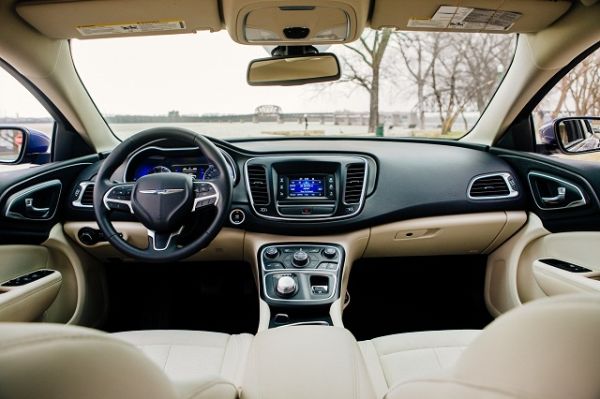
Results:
x,y
396,295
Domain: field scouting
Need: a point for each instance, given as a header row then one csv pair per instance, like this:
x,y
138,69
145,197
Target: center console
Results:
x,y
307,188
300,281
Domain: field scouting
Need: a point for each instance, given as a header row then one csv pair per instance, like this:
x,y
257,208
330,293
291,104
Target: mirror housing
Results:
x,y
575,135
13,142
290,70
21,145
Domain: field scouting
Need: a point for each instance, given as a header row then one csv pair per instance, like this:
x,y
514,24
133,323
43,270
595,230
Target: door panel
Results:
x,y
33,203
557,250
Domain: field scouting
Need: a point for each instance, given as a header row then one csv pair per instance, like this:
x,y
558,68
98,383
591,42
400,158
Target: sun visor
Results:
x,y
498,16
118,18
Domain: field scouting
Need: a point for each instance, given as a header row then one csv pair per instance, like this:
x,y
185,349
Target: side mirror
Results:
x,y
577,134
21,145
293,70
13,141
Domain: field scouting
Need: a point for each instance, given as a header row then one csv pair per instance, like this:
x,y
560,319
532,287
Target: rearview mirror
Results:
x,y
13,141
293,70
578,134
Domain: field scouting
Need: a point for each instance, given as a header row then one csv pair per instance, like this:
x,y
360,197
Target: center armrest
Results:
x,y
306,362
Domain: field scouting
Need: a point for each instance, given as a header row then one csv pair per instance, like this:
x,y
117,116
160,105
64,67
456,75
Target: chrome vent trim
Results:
x,y
258,184
492,186
355,183
85,198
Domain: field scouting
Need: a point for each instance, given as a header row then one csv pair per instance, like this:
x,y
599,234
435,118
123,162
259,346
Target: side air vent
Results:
x,y
355,180
493,186
85,197
257,180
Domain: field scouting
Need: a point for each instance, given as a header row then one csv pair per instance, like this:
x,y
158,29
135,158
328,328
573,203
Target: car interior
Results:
x,y
175,264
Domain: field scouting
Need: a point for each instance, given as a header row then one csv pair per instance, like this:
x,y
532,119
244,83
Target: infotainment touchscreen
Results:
x,y
306,187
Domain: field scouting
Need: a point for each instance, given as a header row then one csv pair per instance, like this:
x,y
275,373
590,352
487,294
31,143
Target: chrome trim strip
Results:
x,y
152,234
511,192
310,218
316,272
572,204
77,201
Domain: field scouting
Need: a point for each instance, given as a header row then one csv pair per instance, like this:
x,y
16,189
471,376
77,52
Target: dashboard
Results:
x,y
328,186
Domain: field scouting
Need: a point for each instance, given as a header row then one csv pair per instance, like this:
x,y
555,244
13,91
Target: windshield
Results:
x,y
397,84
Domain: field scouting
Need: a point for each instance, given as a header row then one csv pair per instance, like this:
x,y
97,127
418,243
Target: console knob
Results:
x,y
300,258
286,286
329,252
271,252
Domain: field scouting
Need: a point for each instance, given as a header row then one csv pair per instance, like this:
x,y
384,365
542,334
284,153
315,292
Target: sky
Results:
x,y
203,73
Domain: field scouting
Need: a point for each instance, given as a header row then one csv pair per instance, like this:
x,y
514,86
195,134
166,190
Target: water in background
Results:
x,y
228,130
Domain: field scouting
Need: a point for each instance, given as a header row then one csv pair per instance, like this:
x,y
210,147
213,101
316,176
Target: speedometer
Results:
x,y
160,169
211,173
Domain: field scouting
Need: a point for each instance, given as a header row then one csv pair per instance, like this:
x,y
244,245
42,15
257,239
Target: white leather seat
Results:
x,y
52,361
546,349
190,357
396,358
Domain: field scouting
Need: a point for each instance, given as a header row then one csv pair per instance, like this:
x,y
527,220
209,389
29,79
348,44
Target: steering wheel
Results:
x,y
162,202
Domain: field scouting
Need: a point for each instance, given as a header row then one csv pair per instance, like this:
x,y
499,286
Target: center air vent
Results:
x,y
494,186
355,180
257,180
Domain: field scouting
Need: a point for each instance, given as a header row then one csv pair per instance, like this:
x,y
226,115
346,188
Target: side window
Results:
x,y
26,127
567,120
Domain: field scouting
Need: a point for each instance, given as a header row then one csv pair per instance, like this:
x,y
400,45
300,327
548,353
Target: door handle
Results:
x,y
558,199
33,210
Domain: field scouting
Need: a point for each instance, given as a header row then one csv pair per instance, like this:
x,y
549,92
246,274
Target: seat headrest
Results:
x,y
547,349
65,362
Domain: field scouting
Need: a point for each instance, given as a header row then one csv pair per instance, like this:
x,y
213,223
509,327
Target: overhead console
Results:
x,y
309,188
295,22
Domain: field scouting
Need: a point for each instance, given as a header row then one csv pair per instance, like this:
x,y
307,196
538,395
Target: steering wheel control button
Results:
x,y
300,259
329,252
286,286
271,252
205,194
237,217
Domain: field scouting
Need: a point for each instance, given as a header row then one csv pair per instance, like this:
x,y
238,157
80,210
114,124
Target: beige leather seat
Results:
x,y
53,361
394,359
189,357
546,349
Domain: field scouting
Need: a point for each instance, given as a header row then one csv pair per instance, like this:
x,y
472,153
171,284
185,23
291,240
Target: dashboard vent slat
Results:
x,y
489,186
87,198
355,180
259,189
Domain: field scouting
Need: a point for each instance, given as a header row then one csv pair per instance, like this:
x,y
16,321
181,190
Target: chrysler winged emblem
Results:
x,y
162,191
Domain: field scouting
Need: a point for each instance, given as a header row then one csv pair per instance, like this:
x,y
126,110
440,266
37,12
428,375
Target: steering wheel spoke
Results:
x,y
206,194
118,197
163,241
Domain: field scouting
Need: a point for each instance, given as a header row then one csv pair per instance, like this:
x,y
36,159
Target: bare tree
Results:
x,y
418,52
486,57
363,67
578,92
